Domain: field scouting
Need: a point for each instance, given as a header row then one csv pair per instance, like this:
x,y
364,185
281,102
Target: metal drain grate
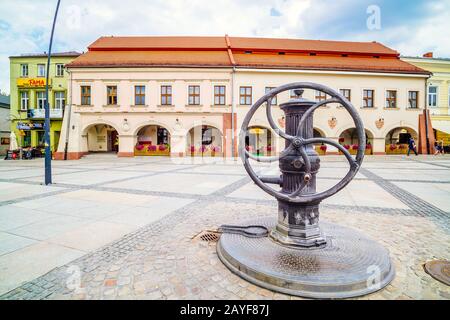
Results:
x,y
439,270
208,236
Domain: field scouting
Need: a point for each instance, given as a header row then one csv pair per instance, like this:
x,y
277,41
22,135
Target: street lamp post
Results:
x,y
48,156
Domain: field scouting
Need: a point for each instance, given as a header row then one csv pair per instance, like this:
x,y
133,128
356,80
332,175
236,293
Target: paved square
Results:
x,y
118,228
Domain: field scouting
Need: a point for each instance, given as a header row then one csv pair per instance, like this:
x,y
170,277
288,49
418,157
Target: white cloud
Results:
x,y
82,21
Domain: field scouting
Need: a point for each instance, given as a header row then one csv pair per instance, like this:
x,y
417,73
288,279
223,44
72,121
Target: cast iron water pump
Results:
x,y
299,257
298,202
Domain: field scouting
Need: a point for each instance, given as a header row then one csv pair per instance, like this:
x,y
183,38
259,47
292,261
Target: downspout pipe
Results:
x,y
426,115
233,63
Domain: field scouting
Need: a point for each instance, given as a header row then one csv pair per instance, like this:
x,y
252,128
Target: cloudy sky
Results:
x,y
412,27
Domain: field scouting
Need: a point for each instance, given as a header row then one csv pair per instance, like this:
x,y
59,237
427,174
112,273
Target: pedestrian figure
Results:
x,y
412,146
437,148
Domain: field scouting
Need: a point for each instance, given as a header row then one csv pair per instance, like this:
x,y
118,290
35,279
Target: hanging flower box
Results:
x,y
368,150
147,149
151,148
322,149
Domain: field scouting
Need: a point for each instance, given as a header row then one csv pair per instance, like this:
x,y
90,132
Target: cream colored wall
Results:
x,y
392,118
128,119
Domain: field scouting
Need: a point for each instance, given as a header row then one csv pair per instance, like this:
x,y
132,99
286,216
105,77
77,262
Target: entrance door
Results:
x,y
113,141
56,136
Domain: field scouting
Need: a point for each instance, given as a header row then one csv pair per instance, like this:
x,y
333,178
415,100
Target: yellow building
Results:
x,y
438,93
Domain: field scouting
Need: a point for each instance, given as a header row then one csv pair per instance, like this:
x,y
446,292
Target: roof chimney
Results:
x,y
428,55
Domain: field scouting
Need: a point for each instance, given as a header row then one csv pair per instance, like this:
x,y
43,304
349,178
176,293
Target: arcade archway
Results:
x,y
204,141
349,139
258,141
397,140
102,138
152,140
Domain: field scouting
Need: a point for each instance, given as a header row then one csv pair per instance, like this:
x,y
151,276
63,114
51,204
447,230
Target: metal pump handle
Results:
x,y
298,143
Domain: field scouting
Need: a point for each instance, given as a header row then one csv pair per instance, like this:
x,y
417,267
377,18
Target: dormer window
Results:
x,y
312,54
248,52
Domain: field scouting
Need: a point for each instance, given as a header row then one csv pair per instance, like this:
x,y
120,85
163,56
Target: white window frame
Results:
x,y
39,74
59,67
60,102
246,96
38,99
24,66
436,95
350,91
24,101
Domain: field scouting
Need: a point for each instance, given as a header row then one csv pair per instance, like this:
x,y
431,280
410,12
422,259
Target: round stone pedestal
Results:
x,y
349,265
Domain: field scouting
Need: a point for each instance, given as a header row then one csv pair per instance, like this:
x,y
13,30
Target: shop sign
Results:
x,y
30,126
32,82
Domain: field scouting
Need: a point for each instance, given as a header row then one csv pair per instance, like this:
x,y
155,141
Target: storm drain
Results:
x,y
439,270
208,236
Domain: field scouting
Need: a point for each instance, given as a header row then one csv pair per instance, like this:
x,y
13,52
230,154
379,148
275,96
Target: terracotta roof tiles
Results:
x,y
243,52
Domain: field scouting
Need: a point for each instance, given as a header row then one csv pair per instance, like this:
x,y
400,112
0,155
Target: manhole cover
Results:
x,y
208,236
439,269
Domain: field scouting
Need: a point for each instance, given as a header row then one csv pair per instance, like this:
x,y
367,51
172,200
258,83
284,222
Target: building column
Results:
x,y
126,146
228,134
379,146
331,150
177,145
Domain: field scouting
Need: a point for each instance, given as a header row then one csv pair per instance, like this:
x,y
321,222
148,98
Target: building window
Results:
x,y
219,95
85,95
194,95
111,92
60,99
274,101
59,70
41,70
432,96
245,95
320,96
24,70
368,98
166,95
391,99
40,96
24,100
139,95
412,99
347,93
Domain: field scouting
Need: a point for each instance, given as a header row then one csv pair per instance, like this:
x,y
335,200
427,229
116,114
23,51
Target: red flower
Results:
x,y
392,147
140,147
269,148
355,147
341,140
162,147
369,146
192,148
346,146
323,147
151,148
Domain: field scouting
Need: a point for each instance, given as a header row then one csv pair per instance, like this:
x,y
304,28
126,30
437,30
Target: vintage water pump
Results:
x,y
300,256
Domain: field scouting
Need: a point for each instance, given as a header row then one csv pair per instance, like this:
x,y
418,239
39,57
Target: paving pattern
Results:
x,y
126,228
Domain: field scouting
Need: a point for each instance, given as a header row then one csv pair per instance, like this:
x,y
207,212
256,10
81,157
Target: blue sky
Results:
x,y
412,27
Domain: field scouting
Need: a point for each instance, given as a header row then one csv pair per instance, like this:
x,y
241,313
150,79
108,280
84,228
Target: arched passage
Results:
x,y
397,140
349,139
258,141
101,137
152,140
320,148
204,141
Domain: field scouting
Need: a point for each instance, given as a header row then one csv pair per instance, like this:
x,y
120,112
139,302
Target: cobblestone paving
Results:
x,y
165,259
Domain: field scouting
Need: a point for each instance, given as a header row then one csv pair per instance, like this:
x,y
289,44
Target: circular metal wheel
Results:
x,y
298,143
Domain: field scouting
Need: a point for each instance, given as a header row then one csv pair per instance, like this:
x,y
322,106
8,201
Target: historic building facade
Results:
x,y
4,124
28,80
438,93
178,95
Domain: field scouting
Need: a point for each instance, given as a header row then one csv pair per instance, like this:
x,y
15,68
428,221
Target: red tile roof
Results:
x,y
243,52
